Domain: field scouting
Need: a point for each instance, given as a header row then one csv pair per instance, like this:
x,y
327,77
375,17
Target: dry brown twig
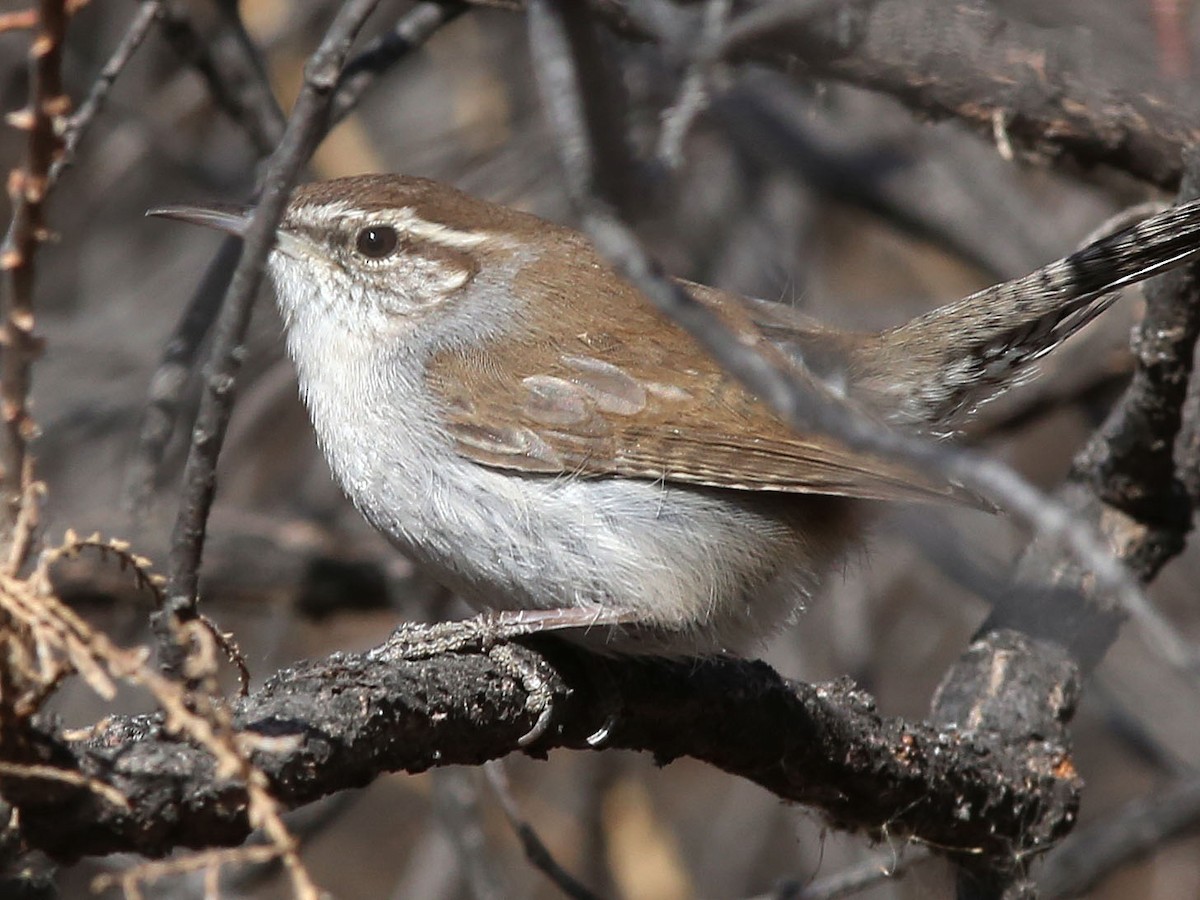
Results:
x,y
43,641
46,641
27,186
211,861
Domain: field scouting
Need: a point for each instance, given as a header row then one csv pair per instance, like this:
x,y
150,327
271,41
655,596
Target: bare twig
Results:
x,y
234,78
130,879
414,28
27,186
244,72
305,128
44,641
1058,97
238,84
605,162
694,88
852,880
168,385
535,848
79,124
456,800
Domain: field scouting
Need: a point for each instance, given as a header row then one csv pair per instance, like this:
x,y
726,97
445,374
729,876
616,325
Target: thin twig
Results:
x,y
455,798
305,128
1071,97
606,164
852,880
694,90
413,29
79,124
168,385
235,82
130,879
28,187
535,849
46,641
244,70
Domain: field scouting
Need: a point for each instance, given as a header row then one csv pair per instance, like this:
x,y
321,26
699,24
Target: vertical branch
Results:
x,y
27,186
304,129
1021,676
1131,459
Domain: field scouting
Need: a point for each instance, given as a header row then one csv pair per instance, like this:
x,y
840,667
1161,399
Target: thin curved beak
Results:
x,y
230,219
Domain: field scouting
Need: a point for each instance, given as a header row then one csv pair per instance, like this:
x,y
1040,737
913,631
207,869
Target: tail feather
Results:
x,y
973,349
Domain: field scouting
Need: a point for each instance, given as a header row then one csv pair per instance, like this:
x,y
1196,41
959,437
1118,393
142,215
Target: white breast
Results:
x,y
704,569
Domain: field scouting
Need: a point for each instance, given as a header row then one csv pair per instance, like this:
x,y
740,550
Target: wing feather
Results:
x,y
622,401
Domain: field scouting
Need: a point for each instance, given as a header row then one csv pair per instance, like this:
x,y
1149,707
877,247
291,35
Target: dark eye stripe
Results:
x,y
377,241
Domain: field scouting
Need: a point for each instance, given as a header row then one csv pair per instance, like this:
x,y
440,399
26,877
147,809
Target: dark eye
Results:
x,y
376,241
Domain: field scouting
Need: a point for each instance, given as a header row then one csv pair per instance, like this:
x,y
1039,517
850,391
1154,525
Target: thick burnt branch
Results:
x,y
337,723
1125,484
1130,461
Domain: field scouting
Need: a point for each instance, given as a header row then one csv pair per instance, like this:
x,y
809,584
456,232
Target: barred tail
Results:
x,y
973,349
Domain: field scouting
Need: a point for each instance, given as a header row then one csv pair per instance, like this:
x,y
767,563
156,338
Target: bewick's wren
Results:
x,y
515,416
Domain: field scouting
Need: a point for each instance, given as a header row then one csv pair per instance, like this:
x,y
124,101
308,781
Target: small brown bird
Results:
x,y
516,417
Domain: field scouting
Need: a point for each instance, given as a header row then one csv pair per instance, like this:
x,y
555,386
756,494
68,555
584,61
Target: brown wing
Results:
x,y
631,394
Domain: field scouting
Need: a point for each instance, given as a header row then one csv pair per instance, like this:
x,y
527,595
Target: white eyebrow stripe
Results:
x,y
408,221
404,220
330,211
